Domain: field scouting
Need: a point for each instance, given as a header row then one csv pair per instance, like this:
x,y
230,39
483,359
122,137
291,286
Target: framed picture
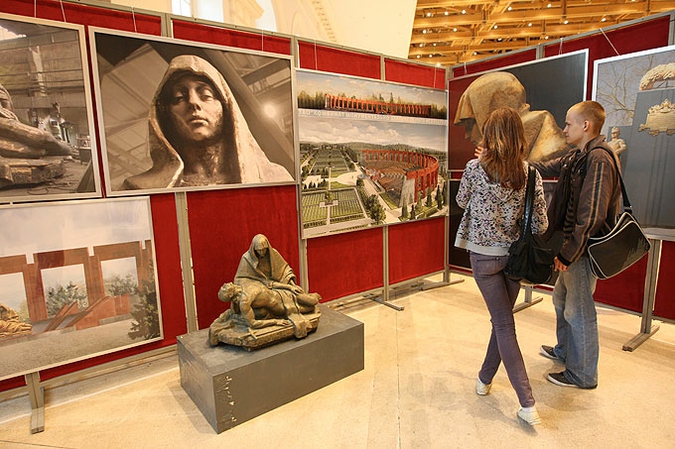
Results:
x,y
185,116
371,152
638,93
47,142
77,280
542,91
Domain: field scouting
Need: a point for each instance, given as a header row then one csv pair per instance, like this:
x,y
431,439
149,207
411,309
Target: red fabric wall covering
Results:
x,y
84,15
345,264
232,38
629,39
409,73
664,303
495,63
327,59
222,225
625,290
416,249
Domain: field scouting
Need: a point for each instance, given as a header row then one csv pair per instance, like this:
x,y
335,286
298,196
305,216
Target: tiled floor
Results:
x,y
416,391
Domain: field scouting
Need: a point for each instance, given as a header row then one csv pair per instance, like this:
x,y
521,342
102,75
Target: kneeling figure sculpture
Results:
x,y
267,306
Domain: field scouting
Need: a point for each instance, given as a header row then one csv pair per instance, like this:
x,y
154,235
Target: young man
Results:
x,y
586,202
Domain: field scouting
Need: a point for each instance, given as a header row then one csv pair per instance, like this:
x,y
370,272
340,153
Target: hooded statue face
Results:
x,y
195,110
485,94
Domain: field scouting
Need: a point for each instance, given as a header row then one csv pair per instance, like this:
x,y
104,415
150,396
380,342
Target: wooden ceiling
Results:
x,y
451,32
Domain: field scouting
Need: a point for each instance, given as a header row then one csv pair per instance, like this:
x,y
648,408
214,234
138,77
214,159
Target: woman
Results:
x,y
492,194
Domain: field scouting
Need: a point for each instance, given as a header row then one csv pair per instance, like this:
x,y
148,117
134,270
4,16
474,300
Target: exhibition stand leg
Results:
x,y
36,395
647,329
529,300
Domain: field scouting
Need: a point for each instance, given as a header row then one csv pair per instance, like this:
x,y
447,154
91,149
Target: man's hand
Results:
x,y
559,266
478,151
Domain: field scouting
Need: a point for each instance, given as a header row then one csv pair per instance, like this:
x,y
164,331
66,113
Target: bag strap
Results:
x,y
529,202
626,204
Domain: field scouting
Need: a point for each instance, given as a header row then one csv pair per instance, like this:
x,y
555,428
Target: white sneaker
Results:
x,y
529,415
481,388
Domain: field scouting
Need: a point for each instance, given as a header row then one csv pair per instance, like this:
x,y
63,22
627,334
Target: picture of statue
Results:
x,y
198,135
617,144
11,325
266,304
28,155
502,89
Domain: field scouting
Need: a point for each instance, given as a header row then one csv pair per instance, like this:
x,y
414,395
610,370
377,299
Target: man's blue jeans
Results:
x,y
577,323
500,293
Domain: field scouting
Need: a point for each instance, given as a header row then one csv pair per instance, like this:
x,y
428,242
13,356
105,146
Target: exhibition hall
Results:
x,y
220,232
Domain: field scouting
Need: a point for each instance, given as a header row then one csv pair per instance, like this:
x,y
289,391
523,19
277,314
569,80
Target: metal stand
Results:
x,y
647,329
37,402
529,301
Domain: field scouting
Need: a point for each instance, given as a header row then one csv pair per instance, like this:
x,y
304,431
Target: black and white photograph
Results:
x,y
47,141
181,116
77,280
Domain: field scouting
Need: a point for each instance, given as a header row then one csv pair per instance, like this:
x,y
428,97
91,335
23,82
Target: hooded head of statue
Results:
x,y
195,122
502,89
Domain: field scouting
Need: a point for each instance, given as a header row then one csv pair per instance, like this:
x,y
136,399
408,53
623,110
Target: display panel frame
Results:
x,y
48,136
638,94
128,72
382,131
78,281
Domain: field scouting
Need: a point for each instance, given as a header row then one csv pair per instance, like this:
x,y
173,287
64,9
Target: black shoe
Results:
x,y
547,351
560,380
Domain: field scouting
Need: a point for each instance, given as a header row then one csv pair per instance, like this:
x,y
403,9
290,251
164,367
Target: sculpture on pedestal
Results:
x,y
267,306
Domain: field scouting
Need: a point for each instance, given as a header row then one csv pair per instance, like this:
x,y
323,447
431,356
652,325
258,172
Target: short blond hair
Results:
x,y
591,111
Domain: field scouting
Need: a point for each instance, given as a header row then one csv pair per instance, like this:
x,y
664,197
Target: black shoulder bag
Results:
x,y
624,245
530,261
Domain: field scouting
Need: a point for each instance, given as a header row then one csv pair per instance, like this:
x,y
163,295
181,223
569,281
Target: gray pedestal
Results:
x,y
231,385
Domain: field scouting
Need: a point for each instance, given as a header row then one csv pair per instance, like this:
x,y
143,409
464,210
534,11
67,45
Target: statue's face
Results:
x,y
261,247
195,110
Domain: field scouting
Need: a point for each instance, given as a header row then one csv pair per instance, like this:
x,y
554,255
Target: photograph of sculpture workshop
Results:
x,y
45,114
336,224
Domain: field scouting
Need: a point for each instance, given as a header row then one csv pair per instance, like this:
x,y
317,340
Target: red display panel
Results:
x,y
231,38
496,63
222,225
84,15
664,303
625,290
419,75
643,36
345,264
416,249
328,59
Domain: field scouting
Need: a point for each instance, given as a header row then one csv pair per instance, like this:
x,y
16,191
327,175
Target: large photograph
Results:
x,y
77,279
47,146
176,115
638,93
371,152
541,91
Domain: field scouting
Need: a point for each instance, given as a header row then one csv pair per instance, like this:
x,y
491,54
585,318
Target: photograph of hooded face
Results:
x,y
216,119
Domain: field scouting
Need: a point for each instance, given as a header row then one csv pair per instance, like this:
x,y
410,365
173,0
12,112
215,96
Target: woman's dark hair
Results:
x,y
504,147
